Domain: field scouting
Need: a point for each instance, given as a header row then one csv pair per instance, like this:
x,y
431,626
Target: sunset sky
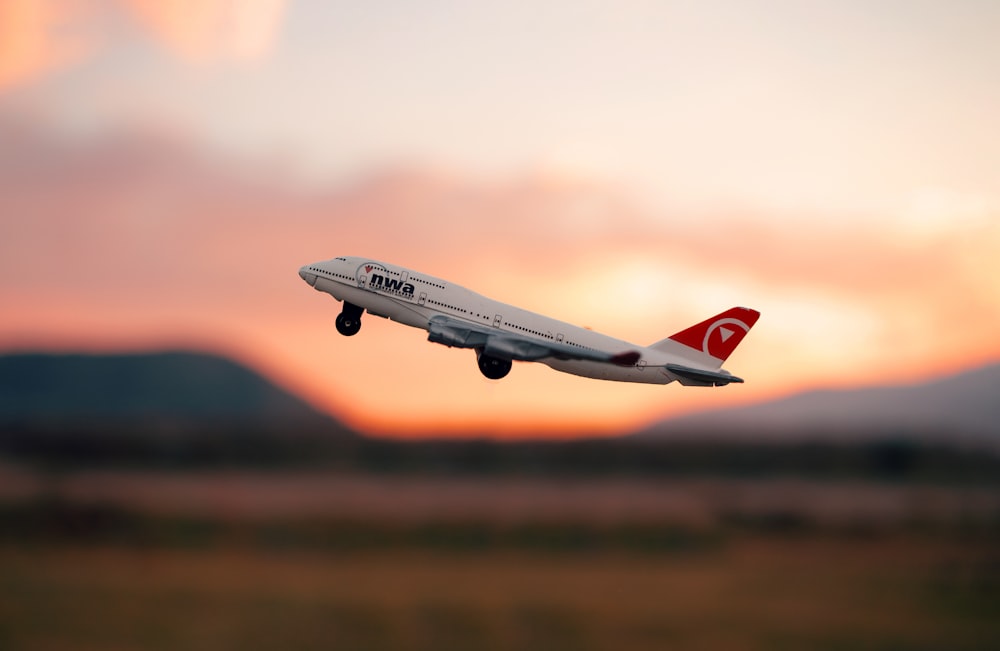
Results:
x,y
166,167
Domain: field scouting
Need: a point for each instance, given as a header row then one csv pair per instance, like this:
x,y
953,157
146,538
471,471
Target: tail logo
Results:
x,y
722,344
719,336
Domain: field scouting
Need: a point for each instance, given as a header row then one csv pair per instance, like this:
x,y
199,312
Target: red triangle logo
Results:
x,y
368,268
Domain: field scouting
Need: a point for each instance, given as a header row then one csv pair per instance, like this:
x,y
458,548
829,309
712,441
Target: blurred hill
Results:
x,y
164,407
962,408
166,389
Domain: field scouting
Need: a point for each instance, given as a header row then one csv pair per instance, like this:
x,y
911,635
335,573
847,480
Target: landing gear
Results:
x,y
493,367
349,320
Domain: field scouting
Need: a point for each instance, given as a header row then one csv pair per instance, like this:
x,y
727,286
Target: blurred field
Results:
x,y
752,592
116,559
690,502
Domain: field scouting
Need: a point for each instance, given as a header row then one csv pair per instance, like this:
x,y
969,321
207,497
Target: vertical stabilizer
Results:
x,y
713,340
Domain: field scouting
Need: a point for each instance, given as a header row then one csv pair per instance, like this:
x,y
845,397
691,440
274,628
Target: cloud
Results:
x,y
142,189
36,38
142,238
208,30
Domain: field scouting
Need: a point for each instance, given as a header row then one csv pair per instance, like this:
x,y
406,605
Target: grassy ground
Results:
x,y
750,592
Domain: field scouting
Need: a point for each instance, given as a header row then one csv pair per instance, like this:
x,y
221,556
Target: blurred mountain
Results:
x,y
959,408
162,391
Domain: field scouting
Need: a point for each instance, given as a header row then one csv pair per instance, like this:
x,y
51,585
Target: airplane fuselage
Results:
x,y
444,309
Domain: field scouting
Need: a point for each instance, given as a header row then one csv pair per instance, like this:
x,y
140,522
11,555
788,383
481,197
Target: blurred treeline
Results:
x,y
894,456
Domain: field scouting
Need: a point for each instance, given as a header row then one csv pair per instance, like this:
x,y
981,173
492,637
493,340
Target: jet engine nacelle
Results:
x,y
450,336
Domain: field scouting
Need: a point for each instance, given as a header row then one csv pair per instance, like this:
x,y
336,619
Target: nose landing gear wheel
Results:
x,y
349,320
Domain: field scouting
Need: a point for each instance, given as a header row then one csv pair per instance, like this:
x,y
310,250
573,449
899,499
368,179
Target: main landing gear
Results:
x,y
493,367
349,320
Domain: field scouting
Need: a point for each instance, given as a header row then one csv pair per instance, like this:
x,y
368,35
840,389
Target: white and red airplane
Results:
x,y
501,333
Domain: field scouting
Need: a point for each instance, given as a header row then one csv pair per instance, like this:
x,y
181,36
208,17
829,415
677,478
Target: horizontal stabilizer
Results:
x,y
700,377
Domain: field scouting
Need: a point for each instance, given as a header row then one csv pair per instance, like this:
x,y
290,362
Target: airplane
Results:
x,y
501,334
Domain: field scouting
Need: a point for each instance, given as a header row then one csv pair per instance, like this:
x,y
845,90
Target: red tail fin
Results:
x,y
719,335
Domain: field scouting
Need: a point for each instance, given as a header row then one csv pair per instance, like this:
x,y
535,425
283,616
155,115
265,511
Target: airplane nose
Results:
x,y
305,275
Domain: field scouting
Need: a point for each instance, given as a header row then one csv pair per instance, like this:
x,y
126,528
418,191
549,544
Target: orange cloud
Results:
x,y
34,39
39,36
205,30
138,240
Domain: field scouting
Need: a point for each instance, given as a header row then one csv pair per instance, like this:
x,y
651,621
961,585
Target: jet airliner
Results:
x,y
501,334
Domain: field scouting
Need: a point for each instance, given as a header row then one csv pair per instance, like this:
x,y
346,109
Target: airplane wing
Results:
x,y
509,345
701,377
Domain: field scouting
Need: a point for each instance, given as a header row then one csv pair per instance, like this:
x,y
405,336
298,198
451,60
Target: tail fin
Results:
x,y
713,340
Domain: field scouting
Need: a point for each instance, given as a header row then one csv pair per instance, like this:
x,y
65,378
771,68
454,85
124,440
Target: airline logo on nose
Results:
x,y
378,279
